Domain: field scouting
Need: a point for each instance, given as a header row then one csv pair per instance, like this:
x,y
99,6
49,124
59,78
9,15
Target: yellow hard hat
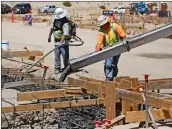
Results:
x,y
102,20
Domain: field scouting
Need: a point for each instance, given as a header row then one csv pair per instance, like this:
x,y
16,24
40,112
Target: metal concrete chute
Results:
x,y
120,47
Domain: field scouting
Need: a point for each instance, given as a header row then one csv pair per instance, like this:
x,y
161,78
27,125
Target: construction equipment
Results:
x,y
139,7
118,48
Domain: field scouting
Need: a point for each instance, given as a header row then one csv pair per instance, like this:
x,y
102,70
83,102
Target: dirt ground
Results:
x,y
154,58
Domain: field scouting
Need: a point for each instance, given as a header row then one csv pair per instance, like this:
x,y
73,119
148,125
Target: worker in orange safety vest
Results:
x,y
109,34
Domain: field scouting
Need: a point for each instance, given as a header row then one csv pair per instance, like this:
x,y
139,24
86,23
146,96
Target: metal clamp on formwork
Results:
x,y
126,43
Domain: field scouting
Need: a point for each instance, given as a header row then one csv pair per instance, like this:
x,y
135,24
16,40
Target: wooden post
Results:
x,y
126,105
100,93
110,101
134,85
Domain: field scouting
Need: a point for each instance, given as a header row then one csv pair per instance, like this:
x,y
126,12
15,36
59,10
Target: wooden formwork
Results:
x,y
10,54
126,89
120,97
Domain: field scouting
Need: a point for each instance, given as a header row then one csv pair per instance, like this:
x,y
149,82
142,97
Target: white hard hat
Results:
x,y
102,20
60,13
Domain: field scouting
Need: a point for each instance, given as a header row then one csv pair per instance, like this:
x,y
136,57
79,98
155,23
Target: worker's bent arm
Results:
x,y
51,31
99,41
66,30
120,31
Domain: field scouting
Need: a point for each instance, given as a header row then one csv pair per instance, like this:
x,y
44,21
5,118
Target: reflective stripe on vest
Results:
x,y
113,36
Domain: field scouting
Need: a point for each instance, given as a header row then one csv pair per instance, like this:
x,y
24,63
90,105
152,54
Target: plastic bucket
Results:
x,y
28,18
5,45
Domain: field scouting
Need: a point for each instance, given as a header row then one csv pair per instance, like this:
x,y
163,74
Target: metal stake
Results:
x,y
146,104
149,108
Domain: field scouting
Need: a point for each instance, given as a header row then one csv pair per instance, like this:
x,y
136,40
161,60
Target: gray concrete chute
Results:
x,y
118,48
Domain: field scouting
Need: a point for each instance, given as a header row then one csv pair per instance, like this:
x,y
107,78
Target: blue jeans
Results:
x,y
111,67
64,51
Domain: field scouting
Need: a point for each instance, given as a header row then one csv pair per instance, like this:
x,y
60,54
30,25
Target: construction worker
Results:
x,y
60,30
109,34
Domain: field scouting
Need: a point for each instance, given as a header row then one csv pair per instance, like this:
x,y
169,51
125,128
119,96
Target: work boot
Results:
x,y
57,71
109,79
55,77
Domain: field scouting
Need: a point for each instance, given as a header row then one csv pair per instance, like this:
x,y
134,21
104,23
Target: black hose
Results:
x,y
76,39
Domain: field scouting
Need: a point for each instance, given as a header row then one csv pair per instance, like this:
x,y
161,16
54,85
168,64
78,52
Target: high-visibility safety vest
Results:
x,y
58,32
110,39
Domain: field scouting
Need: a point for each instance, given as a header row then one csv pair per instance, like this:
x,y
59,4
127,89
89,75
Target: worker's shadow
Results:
x,y
156,55
81,70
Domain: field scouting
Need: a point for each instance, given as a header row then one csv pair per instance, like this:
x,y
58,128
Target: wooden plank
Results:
x,y
36,95
170,98
117,79
126,106
84,84
138,116
9,54
78,91
110,102
135,84
155,84
101,89
42,106
47,94
137,97
126,84
154,80
104,83
90,79
116,120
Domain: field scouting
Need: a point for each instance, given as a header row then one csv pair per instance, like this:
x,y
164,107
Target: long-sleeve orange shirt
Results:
x,y
100,38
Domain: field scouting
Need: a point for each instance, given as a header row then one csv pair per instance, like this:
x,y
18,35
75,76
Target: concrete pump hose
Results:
x,y
78,39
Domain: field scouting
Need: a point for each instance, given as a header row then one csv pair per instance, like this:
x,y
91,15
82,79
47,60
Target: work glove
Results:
x,y
98,49
121,38
61,43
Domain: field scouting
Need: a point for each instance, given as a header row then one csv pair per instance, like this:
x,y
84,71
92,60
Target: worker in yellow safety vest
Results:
x,y
109,34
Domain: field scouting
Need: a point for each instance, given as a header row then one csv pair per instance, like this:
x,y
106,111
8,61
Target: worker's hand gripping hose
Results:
x,y
125,42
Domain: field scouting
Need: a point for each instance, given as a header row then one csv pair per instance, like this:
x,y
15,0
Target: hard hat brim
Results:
x,y
102,23
61,15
